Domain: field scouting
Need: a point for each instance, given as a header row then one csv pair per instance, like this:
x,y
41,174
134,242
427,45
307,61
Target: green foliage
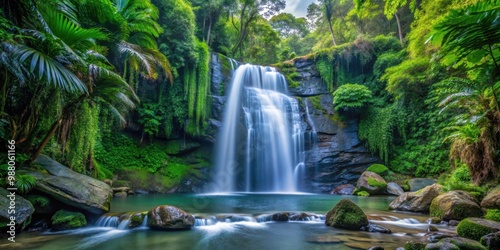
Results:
x,y
378,169
25,183
38,201
150,119
492,214
377,127
65,220
351,96
460,179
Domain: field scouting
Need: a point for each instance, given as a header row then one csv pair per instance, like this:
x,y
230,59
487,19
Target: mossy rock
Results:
x,y
491,241
414,245
464,244
492,214
475,228
455,205
346,214
65,220
416,201
379,169
492,199
137,219
441,246
371,183
362,193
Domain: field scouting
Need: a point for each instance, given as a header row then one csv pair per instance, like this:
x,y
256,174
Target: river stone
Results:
x,y
419,183
71,188
455,205
492,199
464,244
374,228
441,246
23,209
491,241
169,218
372,183
419,201
346,214
475,228
121,194
345,189
414,245
394,189
280,216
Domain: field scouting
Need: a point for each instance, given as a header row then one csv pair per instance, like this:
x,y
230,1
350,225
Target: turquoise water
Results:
x,y
247,234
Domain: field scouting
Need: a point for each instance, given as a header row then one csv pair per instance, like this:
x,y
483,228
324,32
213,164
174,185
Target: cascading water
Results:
x,y
262,141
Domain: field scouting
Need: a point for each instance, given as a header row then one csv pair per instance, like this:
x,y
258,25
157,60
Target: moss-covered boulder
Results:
x,y
475,228
414,245
71,188
378,169
463,243
137,219
23,211
65,220
455,205
169,218
492,199
346,214
491,241
441,246
419,201
371,183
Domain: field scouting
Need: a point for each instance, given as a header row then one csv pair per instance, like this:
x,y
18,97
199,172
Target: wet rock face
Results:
x,y
338,156
309,78
455,205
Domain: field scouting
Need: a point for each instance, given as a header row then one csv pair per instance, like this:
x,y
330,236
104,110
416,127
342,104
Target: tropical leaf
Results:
x,y
47,68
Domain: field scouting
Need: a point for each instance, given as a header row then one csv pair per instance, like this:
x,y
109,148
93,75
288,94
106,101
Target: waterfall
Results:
x,y
261,143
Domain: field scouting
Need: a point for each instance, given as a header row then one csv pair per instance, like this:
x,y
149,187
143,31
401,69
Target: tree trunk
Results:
x,y
46,139
400,31
209,30
331,31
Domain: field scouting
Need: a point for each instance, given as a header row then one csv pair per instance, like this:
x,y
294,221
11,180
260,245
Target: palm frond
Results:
x,y
49,69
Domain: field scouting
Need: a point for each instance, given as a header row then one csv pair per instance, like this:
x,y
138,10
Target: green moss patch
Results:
x,y
362,193
65,220
379,169
493,214
475,228
377,184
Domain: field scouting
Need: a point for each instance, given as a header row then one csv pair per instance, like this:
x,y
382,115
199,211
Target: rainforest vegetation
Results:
x,y
112,87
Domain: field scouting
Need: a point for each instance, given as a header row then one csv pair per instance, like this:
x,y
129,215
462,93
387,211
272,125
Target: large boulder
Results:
x,y
346,214
476,228
169,218
394,189
23,210
492,199
71,188
463,243
455,205
345,189
419,201
371,183
491,241
419,183
65,220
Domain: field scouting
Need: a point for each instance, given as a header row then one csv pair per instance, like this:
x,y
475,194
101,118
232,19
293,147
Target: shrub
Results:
x,y
350,96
